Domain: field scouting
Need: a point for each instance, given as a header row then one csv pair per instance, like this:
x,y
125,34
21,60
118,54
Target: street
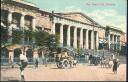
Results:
x,y
82,72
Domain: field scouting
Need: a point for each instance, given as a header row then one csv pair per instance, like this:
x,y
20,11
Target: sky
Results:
x,y
105,12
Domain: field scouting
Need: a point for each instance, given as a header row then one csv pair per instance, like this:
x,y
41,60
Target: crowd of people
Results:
x,y
36,59
113,60
92,60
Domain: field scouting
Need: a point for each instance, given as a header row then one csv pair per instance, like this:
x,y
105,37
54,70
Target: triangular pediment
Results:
x,y
79,17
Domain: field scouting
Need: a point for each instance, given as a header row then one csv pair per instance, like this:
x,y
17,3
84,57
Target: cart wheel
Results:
x,y
59,65
65,63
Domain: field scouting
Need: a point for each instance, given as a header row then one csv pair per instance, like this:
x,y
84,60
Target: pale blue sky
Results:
x,y
119,5
116,10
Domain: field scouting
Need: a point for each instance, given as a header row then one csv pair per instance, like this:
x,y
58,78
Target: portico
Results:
x,y
75,35
114,41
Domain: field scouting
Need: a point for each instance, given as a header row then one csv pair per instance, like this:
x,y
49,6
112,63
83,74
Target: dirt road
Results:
x,y
79,73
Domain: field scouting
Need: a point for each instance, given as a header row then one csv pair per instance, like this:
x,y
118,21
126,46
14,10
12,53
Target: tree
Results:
x,y
40,38
17,35
52,42
4,36
28,35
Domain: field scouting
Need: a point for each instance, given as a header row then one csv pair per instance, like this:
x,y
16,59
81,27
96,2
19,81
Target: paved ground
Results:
x,y
81,72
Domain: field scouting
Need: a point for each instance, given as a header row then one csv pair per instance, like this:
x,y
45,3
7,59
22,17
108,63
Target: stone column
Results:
x,y
109,41
97,40
116,42
68,36
113,41
22,21
92,39
119,43
22,25
116,38
34,27
10,17
53,29
81,38
10,28
61,34
86,39
75,37
34,23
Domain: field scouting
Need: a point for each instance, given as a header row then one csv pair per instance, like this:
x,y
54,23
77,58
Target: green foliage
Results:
x,y
79,51
43,39
40,38
28,33
4,36
17,35
52,42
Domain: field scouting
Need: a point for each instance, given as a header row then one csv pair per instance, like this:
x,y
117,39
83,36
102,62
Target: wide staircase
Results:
x,y
100,52
108,53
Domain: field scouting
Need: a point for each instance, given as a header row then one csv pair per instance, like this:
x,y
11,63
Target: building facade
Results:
x,y
75,29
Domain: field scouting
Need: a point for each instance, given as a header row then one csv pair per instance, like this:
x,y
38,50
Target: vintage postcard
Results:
x,y
63,40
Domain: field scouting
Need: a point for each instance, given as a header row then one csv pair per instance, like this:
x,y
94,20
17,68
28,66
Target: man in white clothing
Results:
x,y
23,63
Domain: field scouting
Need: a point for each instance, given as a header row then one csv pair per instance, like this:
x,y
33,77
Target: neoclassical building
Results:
x,y
75,29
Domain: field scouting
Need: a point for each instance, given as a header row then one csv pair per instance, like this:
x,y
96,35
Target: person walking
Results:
x,y
43,58
113,56
35,58
57,59
23,64
46,55
115,66
90,59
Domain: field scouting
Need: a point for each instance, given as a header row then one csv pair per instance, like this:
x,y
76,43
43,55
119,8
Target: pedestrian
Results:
x,y
103,58
23,63
115,65
57,59
43,57
87,57
11,61
35,58
113,56
90,58
46,57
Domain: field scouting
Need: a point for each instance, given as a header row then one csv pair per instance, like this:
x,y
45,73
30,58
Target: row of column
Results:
x,y
22,23
22,20
115,39
86,46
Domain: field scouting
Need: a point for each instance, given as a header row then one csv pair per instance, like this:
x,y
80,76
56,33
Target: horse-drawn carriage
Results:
x,y
64,60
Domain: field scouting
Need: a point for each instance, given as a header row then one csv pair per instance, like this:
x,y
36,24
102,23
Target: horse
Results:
x,y
74,62
102,63
108,63
105,63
